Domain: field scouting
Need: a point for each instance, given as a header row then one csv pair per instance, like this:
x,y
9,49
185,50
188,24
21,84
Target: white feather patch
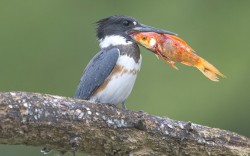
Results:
x,y
129,63
113,40
121,85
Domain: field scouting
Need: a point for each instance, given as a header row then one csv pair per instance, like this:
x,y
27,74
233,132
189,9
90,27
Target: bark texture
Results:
x,y
67,124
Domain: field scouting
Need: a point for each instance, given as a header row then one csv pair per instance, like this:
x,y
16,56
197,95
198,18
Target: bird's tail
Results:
x,y
208,70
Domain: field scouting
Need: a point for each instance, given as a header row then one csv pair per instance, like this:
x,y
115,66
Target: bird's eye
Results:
x,y
144,38
126,23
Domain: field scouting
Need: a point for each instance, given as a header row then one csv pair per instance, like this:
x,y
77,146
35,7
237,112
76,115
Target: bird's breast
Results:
x,y
119,84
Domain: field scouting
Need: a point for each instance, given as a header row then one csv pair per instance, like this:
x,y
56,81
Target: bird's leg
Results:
x,y
124,106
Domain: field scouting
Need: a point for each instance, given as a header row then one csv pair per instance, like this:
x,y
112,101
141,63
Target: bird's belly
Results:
x,y
117,90
119,84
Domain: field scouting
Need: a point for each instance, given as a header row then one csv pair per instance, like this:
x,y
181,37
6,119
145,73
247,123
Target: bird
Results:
x,y
110,75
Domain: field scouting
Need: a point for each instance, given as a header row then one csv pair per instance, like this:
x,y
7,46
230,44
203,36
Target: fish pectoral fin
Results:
x,y
186,63
171,63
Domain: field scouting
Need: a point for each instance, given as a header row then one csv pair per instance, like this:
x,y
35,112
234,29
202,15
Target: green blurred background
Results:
x,y
45,45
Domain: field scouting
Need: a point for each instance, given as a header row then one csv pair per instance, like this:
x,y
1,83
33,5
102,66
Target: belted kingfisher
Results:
x,y
110,75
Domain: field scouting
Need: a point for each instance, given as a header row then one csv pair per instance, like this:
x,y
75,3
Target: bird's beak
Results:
x,y
145,28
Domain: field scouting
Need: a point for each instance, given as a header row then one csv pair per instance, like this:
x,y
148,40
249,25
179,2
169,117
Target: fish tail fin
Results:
x,y
209,70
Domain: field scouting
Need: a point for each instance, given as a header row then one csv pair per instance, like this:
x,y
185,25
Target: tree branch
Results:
x,y
67,124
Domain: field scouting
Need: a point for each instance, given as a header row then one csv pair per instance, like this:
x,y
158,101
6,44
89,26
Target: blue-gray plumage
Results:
x,y
97,70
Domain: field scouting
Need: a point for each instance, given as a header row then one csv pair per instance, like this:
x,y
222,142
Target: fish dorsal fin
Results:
x,y
181,41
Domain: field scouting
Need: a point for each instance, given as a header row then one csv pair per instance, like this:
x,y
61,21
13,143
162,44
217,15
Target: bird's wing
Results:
x,y
97,70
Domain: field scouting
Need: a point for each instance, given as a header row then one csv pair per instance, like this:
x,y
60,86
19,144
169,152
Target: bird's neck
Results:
x,y
125,46
114,40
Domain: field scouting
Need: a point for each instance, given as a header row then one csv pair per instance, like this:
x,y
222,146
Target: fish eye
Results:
x,y
144,38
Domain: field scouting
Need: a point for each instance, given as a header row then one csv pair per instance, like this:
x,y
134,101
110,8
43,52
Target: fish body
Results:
x,y
173,49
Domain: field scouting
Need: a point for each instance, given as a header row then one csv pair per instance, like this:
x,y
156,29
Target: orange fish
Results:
x,y
173,49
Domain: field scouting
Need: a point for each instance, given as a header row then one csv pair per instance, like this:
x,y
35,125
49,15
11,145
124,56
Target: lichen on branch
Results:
x,y
67,124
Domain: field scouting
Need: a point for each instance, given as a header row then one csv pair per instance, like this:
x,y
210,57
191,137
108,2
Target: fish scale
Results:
x,y
173,49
